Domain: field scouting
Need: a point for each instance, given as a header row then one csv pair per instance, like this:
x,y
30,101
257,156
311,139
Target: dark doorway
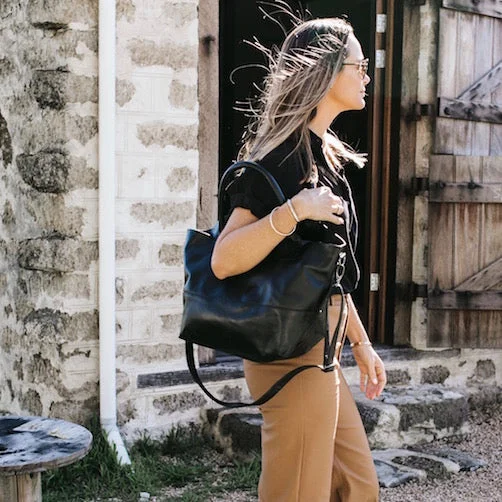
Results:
x,y
242,20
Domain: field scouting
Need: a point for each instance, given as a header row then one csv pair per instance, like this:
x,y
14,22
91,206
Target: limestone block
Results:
x,y
8,217
181,179
125,9
78,411
54,88
178,402
170,323
183,96
5,140
56,327
398,377
435,374
35,133
127,411
409,415
57,254
126,248
485,370
160,133
147,354
167,215
124,92
46,171
31,402
158,291
149,53
171,254
42,13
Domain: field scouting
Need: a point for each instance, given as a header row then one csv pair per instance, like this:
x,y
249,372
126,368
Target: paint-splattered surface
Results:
x,y
34,444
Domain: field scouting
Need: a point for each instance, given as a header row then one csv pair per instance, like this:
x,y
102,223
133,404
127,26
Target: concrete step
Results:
x,y
400,419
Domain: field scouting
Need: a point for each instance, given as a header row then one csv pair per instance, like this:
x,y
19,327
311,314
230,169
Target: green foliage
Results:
x,y
178,459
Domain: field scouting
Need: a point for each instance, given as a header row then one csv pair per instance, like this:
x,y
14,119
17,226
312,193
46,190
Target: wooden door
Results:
x,y
465,180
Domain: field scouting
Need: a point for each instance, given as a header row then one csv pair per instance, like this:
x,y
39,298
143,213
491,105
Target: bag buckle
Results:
x,y
330,367
340,267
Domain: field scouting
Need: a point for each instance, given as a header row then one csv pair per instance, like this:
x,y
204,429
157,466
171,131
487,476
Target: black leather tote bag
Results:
x,y
277,310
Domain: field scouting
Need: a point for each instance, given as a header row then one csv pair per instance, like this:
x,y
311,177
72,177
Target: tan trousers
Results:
x,y
314,446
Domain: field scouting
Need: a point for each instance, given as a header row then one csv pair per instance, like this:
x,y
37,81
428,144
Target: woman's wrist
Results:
x,y
282,221
297,206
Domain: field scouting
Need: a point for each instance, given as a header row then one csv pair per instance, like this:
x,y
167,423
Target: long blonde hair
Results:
x,y
300,74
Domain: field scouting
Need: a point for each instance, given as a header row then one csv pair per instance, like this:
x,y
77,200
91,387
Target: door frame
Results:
x,y
383,141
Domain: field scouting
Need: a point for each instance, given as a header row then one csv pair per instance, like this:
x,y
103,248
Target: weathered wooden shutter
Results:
x,y
465,180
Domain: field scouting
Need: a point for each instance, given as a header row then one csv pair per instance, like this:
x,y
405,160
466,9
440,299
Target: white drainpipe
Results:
x,y
107,377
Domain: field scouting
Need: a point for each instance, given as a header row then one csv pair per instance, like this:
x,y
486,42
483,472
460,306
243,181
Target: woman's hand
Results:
x,y
318,204
372,369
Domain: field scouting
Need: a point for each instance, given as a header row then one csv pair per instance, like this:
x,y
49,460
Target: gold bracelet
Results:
x,y
278,232
356,344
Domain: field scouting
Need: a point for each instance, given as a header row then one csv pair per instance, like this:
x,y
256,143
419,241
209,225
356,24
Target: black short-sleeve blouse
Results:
x,y
250,191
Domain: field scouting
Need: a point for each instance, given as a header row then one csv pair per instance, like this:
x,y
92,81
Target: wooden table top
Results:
x,y
35,444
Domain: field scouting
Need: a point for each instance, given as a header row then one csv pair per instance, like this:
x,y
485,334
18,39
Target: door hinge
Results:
x,y
381,23
374,282
380,58
419,185
409,292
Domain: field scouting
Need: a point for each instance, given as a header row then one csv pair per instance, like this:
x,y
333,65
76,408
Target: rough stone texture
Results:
x,y
48,12
5,141
178,402
444,408
126,249
183,96
398,377
45,171
231,393
31,402
166,214
55,327
8,217
126,9
49,182
55,88
171,254
160,290
127,411
146,354
57,254
149,53
159,133
435,374
180,179
485,370
124,92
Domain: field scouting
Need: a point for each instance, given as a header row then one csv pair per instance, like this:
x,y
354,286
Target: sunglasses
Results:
x,y
362,66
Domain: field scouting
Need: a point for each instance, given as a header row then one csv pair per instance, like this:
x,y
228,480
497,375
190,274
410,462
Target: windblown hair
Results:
x,y
299,76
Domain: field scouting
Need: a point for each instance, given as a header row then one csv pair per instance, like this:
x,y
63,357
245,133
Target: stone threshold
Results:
x,y
229,367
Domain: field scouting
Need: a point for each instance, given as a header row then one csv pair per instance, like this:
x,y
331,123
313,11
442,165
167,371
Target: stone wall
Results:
x,y
49,194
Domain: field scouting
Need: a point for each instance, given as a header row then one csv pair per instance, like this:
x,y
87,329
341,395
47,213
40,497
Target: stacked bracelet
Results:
x,y
356,344
292,210
278,232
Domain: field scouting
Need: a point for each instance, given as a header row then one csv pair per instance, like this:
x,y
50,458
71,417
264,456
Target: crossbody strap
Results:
x,y
329,364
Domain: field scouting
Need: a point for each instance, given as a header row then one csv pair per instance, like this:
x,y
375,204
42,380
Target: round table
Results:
x,y
30,445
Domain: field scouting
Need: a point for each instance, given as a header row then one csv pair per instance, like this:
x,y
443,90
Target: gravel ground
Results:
x,y
484,442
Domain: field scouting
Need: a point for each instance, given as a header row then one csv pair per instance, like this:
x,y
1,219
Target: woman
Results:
x,y
314,447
